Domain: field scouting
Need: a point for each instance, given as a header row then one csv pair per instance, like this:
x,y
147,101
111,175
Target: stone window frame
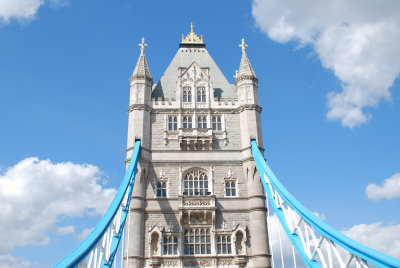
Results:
x,y
217,126
202,121
207,190
221,243
202,97
172,122
162,181
174,245
187,121
230,180
187,94
193,234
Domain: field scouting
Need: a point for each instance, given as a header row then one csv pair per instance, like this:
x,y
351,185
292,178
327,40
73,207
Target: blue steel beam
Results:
x,y
359,250
82,251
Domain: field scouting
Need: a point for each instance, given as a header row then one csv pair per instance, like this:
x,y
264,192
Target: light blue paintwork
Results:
x,y
82,251
347,243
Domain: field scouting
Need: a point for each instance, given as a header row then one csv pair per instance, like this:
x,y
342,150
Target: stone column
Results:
x,y
136,220
260,254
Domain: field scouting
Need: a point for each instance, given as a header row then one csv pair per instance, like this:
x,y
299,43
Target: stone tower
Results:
x,y
198,199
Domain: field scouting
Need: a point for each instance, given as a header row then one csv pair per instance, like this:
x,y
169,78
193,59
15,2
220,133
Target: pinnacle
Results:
x,y
142,69
245,69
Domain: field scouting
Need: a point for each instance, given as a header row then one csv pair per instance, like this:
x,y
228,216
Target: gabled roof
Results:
x,y
168,84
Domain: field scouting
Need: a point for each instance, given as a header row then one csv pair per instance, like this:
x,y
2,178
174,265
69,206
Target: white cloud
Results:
x,y
385,239
390,189
357,40
80,237
36,195
7,261
24,9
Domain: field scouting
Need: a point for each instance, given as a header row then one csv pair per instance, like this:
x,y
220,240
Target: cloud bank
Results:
x,y
390,189
36,195
357,40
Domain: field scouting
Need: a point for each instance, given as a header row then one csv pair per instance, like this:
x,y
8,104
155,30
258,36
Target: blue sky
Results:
x,y
64,89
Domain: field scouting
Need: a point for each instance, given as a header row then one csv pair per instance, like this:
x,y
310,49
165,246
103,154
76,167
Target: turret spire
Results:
x,y
245,69
142,69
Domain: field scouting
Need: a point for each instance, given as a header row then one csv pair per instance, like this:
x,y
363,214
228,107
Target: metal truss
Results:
x,y
100,246
318,244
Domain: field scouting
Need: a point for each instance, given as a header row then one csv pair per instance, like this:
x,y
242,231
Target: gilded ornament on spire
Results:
x,y
192,38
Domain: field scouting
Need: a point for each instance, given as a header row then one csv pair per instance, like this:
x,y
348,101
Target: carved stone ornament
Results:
x,y
197,202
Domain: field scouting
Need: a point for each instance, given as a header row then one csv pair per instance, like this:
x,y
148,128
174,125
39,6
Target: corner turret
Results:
x,y
141,81
246,84
246,81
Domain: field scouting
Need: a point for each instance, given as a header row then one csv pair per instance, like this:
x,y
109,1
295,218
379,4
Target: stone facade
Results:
x,y
197,199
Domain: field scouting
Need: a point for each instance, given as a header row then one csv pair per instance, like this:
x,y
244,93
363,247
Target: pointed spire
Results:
x,y
142,69
245,69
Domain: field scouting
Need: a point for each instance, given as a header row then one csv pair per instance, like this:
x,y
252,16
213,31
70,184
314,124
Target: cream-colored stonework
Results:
x,y
197,199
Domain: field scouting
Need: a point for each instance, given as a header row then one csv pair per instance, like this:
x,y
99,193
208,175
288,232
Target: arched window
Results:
x,y
216,121
197,241
187,94
230,188
201,94
201,122
196,183
172,123
162,189
187,122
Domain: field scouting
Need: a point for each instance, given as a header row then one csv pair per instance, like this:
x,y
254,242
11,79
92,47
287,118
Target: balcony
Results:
x,y
197,202
195,139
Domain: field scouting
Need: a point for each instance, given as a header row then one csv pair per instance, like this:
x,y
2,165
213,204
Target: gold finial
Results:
x,y
192,38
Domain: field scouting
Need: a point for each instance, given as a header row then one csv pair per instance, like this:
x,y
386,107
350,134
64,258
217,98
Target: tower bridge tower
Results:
x,y
197,199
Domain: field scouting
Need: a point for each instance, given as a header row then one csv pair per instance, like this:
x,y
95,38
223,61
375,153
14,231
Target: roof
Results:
x,y
168,84
142,69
